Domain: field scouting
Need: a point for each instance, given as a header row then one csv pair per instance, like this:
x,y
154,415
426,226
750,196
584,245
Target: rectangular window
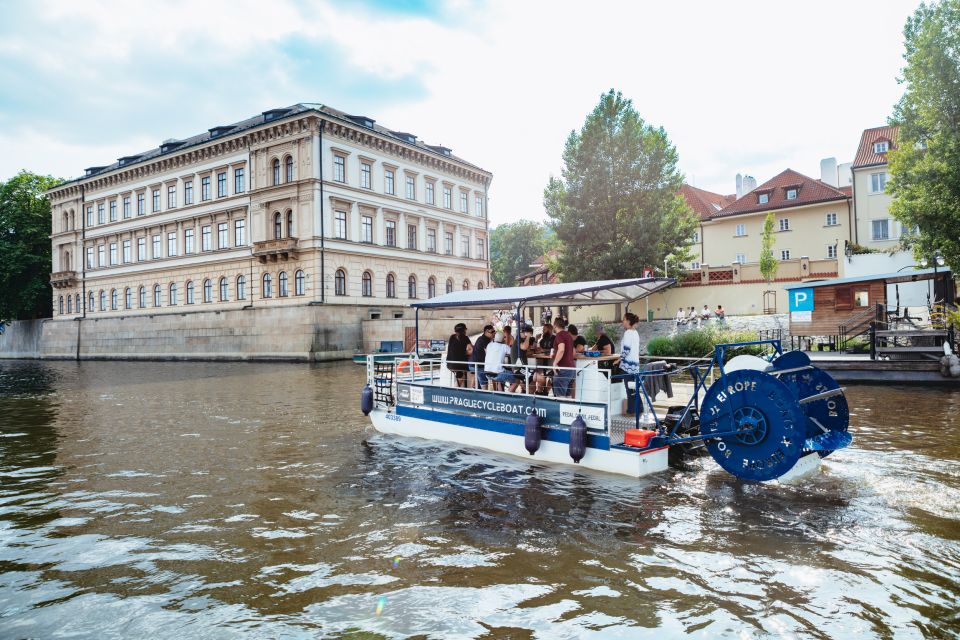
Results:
x,y
156,247
388,182
205,238
126,251
831,219
832,251
188,192
100,214
881,229
89,257
881,147
171,196
222,184
791,194
741,230
205,189
340,225
878,182
481,249
448,243
238,184
113,253
784,224
432,240
188,241
463,202
391,233
478,206
113,211
89,216
141,204
861,299
411,236
172,243
785,254
411,188
447,198
763,198
339,168
694,265
101,256
126,207
366,229
465,246
741,258
223,235
430,195
141,249
365,175
156,200
239,233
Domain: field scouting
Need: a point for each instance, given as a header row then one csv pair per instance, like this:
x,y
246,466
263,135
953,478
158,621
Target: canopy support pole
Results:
x,y
416,332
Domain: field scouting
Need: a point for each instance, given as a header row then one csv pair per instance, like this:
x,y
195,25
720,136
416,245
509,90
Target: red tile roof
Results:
x,y
865,156
705,203
810,192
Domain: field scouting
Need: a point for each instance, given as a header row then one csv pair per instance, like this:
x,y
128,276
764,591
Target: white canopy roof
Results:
x,y
567,293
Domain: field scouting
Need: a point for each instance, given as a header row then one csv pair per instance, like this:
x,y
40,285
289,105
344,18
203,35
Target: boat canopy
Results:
x,y
567,293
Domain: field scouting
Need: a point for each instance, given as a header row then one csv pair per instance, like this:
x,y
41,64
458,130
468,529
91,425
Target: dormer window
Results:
x,y
791,194
763,198
881,147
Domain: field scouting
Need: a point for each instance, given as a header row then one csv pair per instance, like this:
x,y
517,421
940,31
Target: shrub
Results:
x,y
698,343
660,346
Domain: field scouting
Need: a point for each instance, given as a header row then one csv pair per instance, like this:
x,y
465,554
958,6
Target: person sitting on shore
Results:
x,y
705,313
720,313
681,317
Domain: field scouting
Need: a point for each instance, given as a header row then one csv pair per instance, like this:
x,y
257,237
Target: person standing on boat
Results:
x,y
458,352
545,343
563,363
630,348
478,357
526,345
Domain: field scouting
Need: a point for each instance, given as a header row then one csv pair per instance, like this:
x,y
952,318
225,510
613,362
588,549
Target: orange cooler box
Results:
x,y
638,437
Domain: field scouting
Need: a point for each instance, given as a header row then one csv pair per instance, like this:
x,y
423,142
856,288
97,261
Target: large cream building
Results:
x,y
304,205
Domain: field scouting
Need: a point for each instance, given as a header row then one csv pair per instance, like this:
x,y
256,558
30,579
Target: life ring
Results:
x,y
406,366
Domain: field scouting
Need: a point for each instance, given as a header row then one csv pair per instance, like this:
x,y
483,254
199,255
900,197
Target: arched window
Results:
x,y
391,286
66,224
61,297
277,226
449,285
431,287
113,300
189,288
224,290
412,286
142,297
340,283
480,285
127,298
103,300
466,285
172,301
208,290
241,288
156,295
282,281
299,280
367,284
90,304
289,167
290,224
79,310
69,304
276,171
66,261
267,285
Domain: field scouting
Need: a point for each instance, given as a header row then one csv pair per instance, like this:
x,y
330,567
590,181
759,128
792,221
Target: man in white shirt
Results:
x,y
681,317
493,363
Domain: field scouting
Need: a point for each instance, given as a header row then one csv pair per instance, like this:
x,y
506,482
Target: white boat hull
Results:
x,y
634,464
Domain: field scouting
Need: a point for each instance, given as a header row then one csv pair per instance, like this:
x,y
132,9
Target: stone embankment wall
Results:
x,y
306,333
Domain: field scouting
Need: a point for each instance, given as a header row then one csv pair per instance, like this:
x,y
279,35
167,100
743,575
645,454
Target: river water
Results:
x,y
180,500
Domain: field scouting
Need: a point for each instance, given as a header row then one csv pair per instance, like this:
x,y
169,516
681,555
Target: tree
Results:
x,y
25,262
925,166
513,247
617,207
768,264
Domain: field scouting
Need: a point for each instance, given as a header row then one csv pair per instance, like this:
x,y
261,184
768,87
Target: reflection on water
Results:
x,y
223,500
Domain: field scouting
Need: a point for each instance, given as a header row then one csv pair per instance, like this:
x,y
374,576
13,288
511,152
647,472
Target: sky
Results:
x,y
749,87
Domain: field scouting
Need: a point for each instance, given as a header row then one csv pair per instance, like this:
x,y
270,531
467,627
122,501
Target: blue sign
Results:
x,y
801,299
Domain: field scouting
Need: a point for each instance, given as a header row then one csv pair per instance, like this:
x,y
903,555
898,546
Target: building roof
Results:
x,y
170,147
865,156
889,278
705,203
810,191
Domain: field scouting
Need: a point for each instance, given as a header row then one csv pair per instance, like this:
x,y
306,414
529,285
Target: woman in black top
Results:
x,y
459,349
604,345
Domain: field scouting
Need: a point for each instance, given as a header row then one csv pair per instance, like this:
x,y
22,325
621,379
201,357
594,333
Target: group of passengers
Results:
x,y
499,362
692,316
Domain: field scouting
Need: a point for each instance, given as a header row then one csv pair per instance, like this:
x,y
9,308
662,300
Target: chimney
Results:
x,y
844,173
828,172
749,184
739,185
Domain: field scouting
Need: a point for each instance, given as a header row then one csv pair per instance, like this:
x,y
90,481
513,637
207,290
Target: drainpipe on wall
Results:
x,y
323,235
853,193
486,222
83,264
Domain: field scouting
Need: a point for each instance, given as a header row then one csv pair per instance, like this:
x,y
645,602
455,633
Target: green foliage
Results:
x,y
768,264
925,179
25,262
698,343
616,208
513,247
